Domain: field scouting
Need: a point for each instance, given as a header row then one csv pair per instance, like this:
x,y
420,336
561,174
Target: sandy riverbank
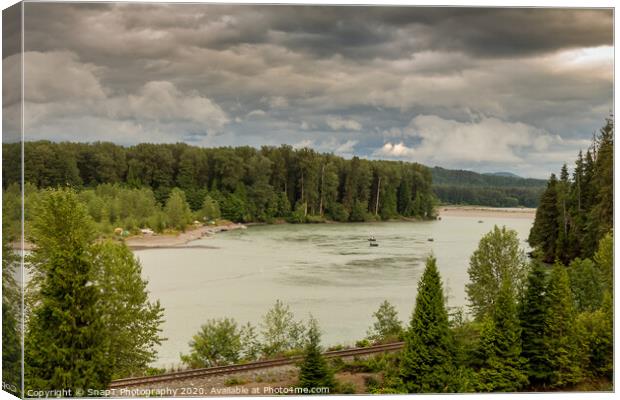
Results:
x,y
155,241
474,211
179,240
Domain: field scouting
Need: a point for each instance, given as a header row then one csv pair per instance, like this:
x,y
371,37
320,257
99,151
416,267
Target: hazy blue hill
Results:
x,y
506,174
442,176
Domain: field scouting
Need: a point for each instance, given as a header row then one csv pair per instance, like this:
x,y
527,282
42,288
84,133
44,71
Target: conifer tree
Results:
x,y
563,222
604,259
603,211
426,364
586,283
66,344
499,350
559,338
314,371
532,314
544,234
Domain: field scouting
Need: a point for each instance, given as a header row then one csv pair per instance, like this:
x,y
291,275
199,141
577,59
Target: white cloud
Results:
x,y
59,75
256,113
485,140
161,100
395,150
61,90
339,123
331,145
304,143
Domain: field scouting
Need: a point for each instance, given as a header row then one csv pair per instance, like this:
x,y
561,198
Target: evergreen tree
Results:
x,y
314,371
544,234
66,344
498,257
602,213
604,259
426,363
573,216
532,314
562,251
586,283
594,331
501,369
559,336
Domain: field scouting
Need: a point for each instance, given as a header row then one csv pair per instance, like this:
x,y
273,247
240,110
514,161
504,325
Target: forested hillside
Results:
x,y
247,184
577,211
494,190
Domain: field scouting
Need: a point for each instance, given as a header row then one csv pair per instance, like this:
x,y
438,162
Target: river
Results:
x,y
328,270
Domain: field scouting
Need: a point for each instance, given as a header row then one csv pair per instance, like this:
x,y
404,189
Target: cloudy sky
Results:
x,y
518,90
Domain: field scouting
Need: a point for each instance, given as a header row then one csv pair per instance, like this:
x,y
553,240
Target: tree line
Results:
x,y
489,196
249,184
492,190
576,211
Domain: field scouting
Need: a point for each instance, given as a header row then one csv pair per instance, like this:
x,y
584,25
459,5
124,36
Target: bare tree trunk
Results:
x,y
302,196
321,199
377,202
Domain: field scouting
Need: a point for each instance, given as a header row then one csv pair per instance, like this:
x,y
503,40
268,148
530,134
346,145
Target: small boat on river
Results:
x,y
374,244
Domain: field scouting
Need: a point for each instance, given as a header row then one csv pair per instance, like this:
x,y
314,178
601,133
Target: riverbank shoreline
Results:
x,y
179,240
182,239
481,211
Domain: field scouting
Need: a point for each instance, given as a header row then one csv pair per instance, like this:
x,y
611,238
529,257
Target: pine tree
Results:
x,y
314,371
563,192
544,234
577,217
586,283
559,337
66,344
604,259
602,213
426,364
501,369
532,315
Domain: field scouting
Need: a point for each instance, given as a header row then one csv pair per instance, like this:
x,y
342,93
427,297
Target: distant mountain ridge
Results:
x,y
459,177
506,174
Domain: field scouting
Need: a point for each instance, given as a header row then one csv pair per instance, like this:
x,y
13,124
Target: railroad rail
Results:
x,y
230,369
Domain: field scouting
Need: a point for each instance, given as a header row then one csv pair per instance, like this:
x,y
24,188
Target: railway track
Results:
x,y
230,369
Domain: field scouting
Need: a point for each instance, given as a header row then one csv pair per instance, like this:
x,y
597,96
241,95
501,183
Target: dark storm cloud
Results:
x,y
374,81
348,30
